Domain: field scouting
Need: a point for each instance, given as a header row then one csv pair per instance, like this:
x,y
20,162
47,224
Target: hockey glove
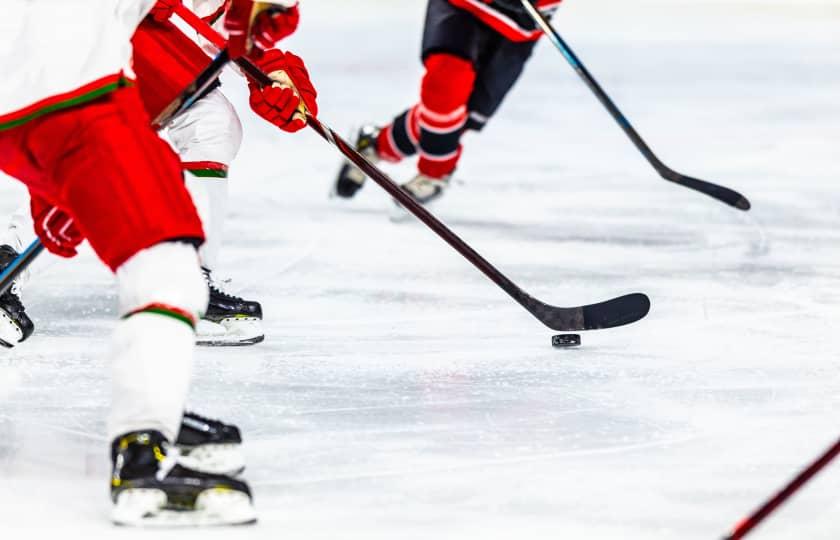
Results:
x,y
286,102
55,228
164,9
241,17
269,28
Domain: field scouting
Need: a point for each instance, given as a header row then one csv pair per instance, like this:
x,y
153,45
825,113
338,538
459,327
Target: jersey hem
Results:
x,y
73,98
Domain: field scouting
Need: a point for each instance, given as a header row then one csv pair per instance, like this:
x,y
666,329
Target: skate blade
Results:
x,y
231,332
224,459
213,508
10,332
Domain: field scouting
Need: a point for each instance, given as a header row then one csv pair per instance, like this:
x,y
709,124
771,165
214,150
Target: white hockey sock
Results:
x,y
162,294
210,196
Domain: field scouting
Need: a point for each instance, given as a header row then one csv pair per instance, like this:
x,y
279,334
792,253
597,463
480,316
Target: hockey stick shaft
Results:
x,y
21,263
628,309
753,520
721,193
194,91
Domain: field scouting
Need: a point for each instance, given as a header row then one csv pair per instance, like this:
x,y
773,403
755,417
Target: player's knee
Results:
x,y
448,82
233,130
165,279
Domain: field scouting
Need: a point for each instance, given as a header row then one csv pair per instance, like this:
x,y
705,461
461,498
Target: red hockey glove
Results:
x,y
55,228
243,14
164,9
269,28
286,102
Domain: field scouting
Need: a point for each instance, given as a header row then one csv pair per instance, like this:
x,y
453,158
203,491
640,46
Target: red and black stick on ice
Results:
x,y
721,193
750,522
615,312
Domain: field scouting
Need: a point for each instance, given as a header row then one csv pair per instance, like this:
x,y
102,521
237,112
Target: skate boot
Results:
x,y
150,486
425,190
351,178
15,325
210,446
229,320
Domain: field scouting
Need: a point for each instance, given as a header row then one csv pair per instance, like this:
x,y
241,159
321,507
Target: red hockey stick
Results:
x,y
750,522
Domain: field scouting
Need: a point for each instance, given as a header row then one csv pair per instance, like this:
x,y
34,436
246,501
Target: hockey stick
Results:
x,y
194,91
721,193
18,265
753,520
184,101
616,312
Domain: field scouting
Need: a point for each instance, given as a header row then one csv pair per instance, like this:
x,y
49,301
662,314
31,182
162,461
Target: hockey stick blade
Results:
x,y
610,314
721,193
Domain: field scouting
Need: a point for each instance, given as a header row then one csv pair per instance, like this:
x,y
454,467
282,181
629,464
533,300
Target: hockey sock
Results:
x,y
162,294
442,113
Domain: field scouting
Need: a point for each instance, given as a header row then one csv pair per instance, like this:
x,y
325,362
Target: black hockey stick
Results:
x,y
753,520
194,91
616,312
18,265
721,193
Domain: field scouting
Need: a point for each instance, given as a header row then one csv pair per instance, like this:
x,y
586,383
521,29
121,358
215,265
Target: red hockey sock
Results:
x,y
442,113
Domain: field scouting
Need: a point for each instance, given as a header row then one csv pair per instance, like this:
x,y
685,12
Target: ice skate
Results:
x,y
350,178
15,325
424,189
229,320
152,486
210,446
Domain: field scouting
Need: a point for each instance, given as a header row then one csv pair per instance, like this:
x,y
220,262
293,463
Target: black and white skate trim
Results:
x,y
10,332
235,331
15,324
210,445
152,486
230,320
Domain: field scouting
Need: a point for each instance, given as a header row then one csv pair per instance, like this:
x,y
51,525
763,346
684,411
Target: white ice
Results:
x,y
399,394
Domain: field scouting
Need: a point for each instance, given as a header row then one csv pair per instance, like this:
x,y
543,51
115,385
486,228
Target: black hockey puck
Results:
x,y
561,341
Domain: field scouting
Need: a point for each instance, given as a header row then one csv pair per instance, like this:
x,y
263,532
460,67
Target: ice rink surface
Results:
x,y
399,394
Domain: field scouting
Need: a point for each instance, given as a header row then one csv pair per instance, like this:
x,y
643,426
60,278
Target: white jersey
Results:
x,y
55,53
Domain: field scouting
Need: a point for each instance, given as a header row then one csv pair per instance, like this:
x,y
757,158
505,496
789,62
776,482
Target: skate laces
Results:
x,y
169,461
220,286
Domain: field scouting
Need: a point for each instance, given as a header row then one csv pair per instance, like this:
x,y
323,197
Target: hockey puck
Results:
x,y
561,341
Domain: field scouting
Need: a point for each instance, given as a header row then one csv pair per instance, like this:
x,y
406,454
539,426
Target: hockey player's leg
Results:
x,y
140,220
162,293
497,73
445,91
208,138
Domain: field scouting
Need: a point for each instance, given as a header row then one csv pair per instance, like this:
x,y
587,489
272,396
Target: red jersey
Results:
x,y
515,25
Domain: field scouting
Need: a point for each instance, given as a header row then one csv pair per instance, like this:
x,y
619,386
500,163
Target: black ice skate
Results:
x,y
230,320
15,325
210,446
423,189
150,486
351,178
